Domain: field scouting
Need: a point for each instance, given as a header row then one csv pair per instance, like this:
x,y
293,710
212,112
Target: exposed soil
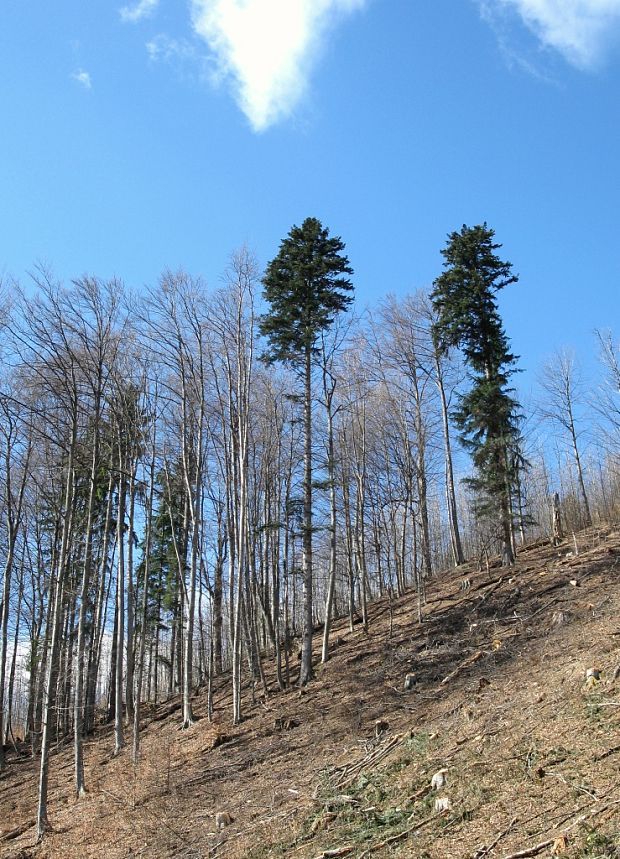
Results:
x,y
500,701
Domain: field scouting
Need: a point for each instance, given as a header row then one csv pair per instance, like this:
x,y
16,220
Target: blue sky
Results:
x,y
166,133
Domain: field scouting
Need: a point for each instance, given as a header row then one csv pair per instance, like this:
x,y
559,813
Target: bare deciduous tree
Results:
x,y
563,387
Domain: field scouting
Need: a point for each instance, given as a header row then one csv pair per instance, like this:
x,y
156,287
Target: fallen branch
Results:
x,y
574,786
418,794
163,714
484,851
606,754
347,774
335,801
531,851
338,851
545,606
19,830
471,660
593,813
538,848
393,839
473,596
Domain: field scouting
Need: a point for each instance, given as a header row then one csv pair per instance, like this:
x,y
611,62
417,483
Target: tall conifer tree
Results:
x,y
306,286
488,415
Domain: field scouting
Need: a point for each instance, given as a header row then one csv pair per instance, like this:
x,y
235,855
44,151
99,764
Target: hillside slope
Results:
x,y
532,752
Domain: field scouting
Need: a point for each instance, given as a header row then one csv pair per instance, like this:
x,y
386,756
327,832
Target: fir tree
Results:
x,y
464,297
306,286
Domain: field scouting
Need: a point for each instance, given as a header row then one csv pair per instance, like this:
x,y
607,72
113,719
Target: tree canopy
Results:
x,y
467,317
306,286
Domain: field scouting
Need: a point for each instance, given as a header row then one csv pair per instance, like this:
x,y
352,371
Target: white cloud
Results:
x,y
83,78
139,10
267,48
581,30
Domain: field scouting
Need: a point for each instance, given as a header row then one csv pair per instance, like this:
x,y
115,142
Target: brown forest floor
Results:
x,y
532,754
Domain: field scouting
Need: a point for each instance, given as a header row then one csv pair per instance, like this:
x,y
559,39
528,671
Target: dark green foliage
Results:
x,y
464,298
306,287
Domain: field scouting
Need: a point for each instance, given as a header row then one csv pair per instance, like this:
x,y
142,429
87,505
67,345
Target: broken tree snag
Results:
x,y
465,664
282,723
381,726
440,779
223,819
559,618
558,531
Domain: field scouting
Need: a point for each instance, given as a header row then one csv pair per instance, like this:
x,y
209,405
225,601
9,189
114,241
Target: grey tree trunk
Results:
x,y
4,643
119,740
582,485
455,535
13,512
507,553
78,691
331,587
144,613
329,388
306,672
54,639
129,587
8,730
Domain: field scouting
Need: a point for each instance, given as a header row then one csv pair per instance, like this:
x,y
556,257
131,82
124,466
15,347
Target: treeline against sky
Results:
x,y
152,500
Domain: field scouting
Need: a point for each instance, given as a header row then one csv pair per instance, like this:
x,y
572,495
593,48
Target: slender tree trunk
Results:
x,y
100,614
130,633
507,553
49,696
144,613
582,485
306,671
66,665
34,661
331,587
331,467
455,535
4,641
54,638
13,514
360,547
424,523
218,590
78,692
188,640
119,740
45,647
236,658
8,731
346,498
275,602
